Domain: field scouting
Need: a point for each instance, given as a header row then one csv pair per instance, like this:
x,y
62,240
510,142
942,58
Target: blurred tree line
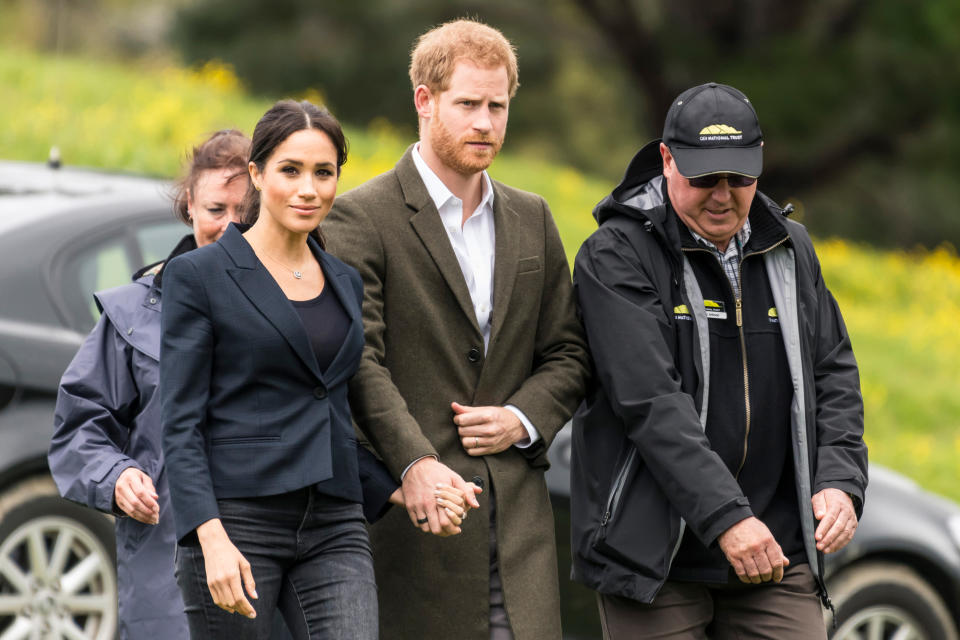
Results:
x,y
859,100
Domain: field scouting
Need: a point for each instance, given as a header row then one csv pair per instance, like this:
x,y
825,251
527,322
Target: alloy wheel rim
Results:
x,y
56,581
880,623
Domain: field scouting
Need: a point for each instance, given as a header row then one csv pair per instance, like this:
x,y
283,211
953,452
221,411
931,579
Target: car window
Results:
x,y
111,262
157,240
104,267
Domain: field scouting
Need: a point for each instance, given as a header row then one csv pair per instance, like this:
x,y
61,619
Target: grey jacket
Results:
x,y
642,468
108,419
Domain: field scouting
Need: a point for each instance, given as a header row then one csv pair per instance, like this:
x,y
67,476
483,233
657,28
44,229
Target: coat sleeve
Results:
x,y
841,451
630,338
186,354
560,365
96,403
376,483
376,403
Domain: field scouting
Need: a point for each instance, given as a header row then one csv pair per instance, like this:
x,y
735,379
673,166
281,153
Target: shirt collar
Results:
x,y
439,192
741,236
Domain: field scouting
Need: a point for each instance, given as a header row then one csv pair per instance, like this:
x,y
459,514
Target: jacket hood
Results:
x,y
640,192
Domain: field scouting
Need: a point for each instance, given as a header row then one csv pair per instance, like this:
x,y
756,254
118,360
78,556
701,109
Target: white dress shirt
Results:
x,y
474,244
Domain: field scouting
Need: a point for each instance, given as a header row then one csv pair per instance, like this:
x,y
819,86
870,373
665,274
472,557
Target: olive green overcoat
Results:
x,y
423,350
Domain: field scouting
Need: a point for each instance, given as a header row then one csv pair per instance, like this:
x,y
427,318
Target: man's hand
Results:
x,y
419,487
449,499
487,430
838,519
753,552
136,496
226,567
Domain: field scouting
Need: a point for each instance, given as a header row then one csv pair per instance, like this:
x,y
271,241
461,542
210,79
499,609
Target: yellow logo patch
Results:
x,y
719,129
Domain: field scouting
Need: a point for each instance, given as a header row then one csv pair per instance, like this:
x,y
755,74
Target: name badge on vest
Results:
x,y
715,309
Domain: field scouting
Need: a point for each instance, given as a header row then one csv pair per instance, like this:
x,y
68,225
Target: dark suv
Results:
x,y
66,233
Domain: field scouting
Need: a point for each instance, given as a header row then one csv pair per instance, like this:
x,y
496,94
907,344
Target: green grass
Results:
x,y
902,309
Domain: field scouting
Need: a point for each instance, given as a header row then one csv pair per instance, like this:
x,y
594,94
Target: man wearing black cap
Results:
x,y
719,452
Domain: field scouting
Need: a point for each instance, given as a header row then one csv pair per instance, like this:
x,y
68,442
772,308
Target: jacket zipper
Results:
x,y
738,301
616,490
746,373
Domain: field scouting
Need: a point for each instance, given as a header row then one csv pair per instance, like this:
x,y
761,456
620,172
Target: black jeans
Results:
x,y
310,558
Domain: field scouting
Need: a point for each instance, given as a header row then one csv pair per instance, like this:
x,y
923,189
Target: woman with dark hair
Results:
x,y
261,332
105,451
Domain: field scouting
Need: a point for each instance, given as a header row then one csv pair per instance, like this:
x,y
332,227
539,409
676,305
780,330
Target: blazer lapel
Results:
x,y
428,225
267,297
507,242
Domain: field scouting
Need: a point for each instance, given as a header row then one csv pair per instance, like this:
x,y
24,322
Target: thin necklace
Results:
x,y
296,274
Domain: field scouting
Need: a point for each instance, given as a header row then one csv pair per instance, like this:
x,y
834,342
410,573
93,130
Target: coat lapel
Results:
x,y
507,242
428,225
267,297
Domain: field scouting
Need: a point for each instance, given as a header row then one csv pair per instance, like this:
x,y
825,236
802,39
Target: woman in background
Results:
x,y
105,452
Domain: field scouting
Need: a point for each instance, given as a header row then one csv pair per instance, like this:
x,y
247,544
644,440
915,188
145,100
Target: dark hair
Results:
x,y
282,120
224,149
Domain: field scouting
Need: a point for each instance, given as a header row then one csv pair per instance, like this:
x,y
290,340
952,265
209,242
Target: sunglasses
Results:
x,y
710,181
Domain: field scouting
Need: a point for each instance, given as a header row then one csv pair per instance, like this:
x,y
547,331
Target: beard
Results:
x,y
457,153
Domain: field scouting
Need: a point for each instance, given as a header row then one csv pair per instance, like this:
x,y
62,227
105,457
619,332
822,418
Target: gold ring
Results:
x,y
476,442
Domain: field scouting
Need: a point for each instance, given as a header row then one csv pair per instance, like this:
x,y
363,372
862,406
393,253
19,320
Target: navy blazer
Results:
x,y
246,410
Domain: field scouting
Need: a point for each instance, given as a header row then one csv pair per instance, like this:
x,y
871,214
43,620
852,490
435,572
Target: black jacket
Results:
x,y
642,467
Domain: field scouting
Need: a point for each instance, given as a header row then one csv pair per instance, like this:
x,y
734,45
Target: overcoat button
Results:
x,y
477,480
319,393
473,355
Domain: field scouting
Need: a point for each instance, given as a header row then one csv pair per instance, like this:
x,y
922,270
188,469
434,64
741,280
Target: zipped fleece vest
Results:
x,y
750,393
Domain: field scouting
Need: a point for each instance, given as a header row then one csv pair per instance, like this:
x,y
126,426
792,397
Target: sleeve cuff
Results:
x,y
402,475
725,521
532,434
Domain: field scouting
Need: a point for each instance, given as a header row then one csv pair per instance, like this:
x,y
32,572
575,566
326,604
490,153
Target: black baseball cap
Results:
x,y
713,128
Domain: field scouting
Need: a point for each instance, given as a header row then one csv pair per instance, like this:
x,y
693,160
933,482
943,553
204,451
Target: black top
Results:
x,y
326,323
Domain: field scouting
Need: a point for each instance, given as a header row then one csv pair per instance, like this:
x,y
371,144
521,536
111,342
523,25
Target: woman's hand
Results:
x,y
136,496
226,567
454,502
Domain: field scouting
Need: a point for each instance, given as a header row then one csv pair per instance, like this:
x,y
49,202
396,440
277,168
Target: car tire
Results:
x,y
57,566
884,600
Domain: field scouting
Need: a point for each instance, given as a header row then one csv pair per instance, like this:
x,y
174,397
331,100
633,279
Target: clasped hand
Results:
x,y
487,430
433,491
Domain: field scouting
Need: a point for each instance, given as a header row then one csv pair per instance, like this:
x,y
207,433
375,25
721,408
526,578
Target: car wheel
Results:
x,y
885,600
57,566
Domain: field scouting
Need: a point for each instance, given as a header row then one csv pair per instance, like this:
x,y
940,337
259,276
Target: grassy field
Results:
x,y
902,309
